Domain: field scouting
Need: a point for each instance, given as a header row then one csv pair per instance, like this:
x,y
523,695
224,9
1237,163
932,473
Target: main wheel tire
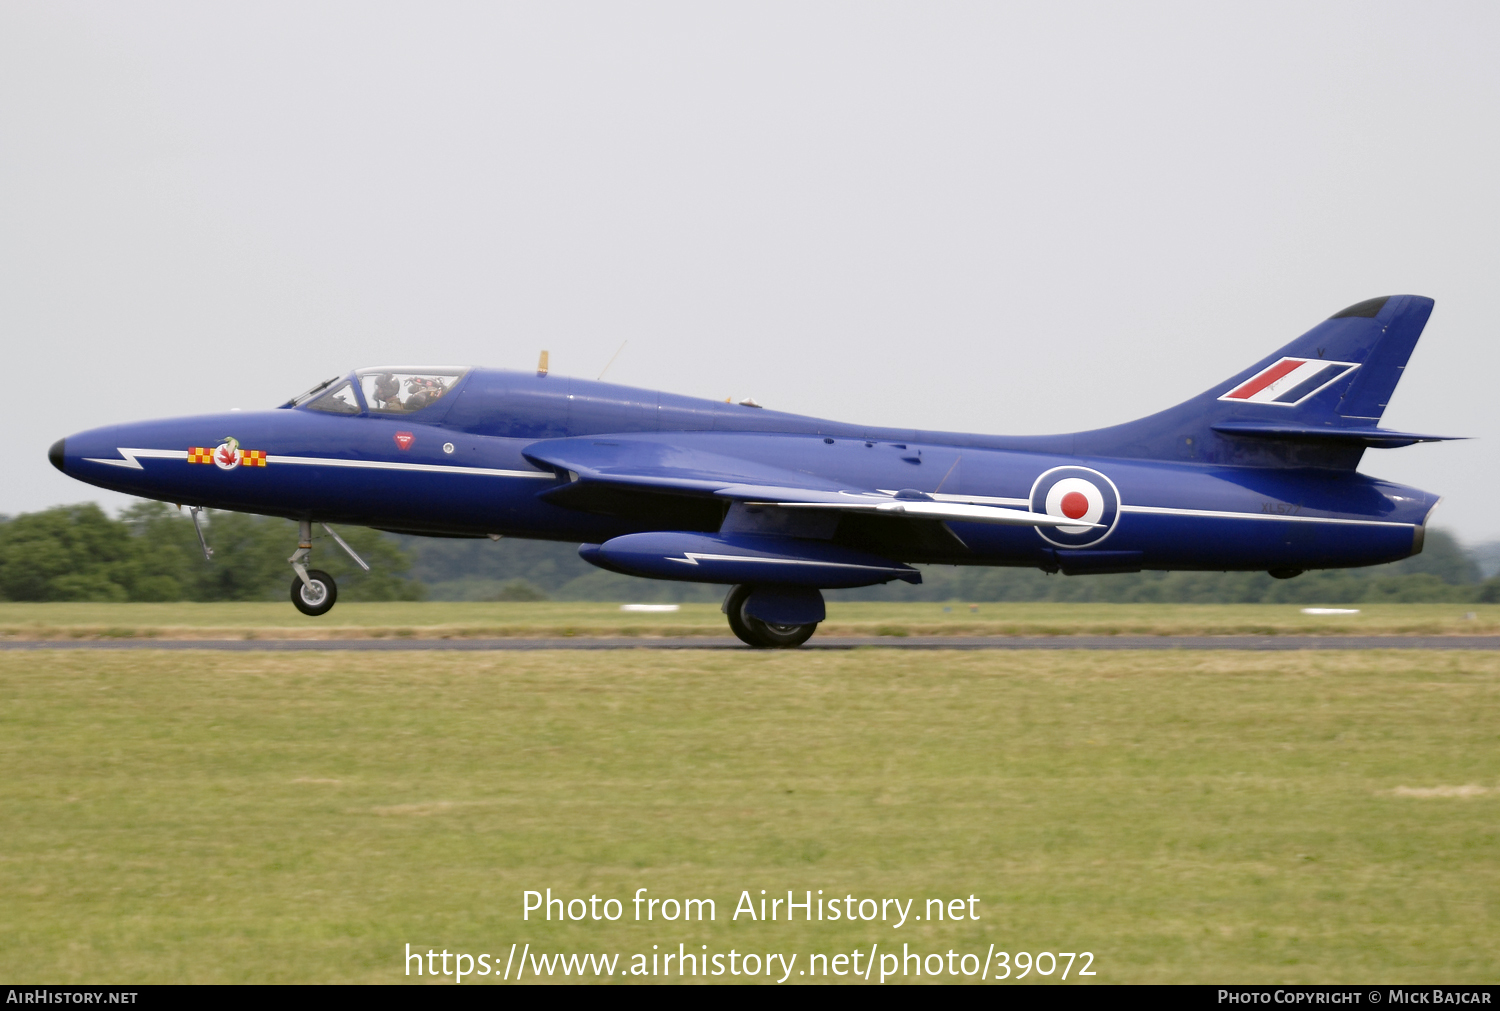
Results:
x,y
760,634
320,598
734,608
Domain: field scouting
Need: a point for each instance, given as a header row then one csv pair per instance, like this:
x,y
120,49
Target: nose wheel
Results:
x,y
316,595
314,591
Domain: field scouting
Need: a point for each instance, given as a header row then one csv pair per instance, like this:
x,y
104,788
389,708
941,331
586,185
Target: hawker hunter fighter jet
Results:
x,y
1258,473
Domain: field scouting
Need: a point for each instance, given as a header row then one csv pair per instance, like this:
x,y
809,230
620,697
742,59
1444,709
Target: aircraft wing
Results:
x,y
625,476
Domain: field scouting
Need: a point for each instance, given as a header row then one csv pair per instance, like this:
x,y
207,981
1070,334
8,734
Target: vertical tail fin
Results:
x,y
1314,403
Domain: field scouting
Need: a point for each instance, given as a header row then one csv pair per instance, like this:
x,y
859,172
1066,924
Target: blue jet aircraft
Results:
x,y
1258,473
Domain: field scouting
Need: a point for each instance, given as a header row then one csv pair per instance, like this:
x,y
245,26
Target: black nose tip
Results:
x,y
55,454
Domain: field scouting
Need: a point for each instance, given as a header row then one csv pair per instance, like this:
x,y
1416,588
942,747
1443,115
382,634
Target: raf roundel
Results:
x,y
1076,493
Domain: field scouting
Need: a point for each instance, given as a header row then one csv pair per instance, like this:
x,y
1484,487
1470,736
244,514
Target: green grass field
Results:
x,y
434,619
1213,816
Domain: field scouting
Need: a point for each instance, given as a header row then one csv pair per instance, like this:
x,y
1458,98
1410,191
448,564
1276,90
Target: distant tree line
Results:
x,y
150,553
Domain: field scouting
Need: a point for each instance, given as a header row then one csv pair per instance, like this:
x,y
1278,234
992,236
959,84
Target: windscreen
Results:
x,y
308,394
404,390
339,400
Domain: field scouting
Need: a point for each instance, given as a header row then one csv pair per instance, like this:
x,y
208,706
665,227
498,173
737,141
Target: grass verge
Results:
x,y
440,620
1230,817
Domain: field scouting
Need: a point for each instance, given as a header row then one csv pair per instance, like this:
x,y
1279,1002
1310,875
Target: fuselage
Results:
x,y
459,467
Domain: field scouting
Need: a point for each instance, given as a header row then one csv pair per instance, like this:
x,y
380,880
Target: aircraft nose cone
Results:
x,y
55,454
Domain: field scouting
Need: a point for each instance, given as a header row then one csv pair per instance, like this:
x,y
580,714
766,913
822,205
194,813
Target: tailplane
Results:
x,y
1315,403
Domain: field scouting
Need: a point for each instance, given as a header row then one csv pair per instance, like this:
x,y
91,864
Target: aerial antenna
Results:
x,y
613,357
541,365
948,475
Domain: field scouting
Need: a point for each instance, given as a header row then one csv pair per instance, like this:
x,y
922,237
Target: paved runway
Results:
x,y
1132,642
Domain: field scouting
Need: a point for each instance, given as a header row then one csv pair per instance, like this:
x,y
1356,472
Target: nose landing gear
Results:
x,y
313,591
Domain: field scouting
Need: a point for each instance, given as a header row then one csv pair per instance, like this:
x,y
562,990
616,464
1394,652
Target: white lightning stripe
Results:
x,y
132,463
1220,515
691,558
425,468
130,455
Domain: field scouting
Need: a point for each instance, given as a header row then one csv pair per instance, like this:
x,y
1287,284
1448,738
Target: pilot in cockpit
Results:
x,y
397,391
387,392
423,392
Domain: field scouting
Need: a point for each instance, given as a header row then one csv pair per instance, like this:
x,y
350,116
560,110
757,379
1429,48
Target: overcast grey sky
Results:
x,y
986,217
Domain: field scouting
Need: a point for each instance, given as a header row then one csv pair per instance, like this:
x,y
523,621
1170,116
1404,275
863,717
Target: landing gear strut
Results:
x,y
761,634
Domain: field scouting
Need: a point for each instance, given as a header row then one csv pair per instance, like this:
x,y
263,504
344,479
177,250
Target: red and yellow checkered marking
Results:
x,y
205,454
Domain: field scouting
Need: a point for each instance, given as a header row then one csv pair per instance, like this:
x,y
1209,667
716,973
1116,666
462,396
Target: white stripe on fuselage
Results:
x,y
989,500
423,468
1223,515
130,461
1220,514
133,463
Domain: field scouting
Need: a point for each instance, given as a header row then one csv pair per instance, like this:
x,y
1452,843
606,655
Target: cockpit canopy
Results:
x,y
403,390
392,389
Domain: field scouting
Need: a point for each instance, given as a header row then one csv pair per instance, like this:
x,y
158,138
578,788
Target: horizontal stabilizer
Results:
x,y
1372,437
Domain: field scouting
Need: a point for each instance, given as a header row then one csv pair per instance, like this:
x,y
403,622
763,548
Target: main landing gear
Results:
x,y
313,591
752,631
